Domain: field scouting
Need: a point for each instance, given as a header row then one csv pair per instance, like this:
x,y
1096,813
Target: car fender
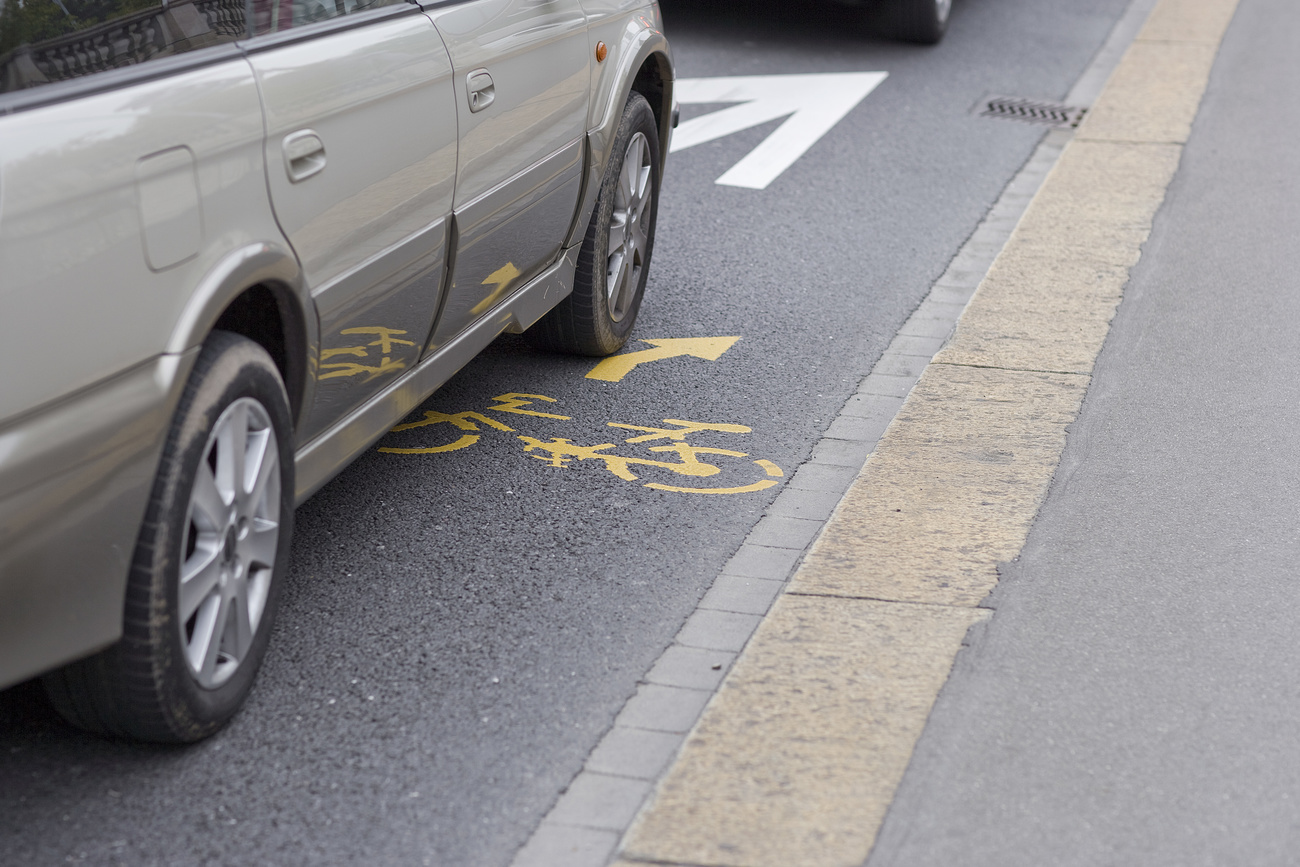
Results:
x,y
275,267
640,40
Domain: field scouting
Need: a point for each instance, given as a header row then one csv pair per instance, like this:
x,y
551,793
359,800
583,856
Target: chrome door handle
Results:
x,y
481,88
304,154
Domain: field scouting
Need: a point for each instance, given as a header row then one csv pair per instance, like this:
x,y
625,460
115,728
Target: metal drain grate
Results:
x,y
1032,111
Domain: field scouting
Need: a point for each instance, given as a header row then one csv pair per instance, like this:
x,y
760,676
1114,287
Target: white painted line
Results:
x,y
814,103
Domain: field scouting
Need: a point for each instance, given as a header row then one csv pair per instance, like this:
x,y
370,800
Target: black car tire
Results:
x,y
920,21
232,421
597,317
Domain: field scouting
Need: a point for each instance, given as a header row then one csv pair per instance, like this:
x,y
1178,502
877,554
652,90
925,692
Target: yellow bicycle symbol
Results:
x,y
560,452
470,421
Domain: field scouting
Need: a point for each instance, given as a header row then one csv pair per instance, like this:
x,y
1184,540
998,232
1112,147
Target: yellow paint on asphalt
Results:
x,y
562,453
469,421
796,759
613,369
763,484
514,402
464,442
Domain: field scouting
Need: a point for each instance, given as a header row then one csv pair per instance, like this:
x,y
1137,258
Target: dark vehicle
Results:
x,y
922,21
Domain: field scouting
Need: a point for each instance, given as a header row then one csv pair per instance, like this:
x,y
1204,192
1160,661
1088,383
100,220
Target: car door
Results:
x,y
361,162
522,82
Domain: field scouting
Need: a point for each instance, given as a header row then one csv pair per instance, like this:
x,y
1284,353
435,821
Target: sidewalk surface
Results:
x,y
1135,699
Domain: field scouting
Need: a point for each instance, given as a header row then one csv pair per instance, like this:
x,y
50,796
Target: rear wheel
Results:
x,y
923,21
614,262
204,583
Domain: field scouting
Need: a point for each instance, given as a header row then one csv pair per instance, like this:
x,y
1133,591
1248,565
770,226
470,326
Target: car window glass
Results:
x,y
276,16
44,41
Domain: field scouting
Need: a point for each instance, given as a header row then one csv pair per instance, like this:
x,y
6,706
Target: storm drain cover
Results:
x,y
1032,111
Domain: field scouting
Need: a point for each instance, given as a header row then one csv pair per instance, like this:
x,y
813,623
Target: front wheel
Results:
x,y
202,591
614,262
923,21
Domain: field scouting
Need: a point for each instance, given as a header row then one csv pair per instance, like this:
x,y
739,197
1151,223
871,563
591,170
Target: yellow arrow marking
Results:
x,y
500,278
709,348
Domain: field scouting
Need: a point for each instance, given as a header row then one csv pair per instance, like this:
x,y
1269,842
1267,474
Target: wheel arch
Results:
x,y
257,292
644,66
654,80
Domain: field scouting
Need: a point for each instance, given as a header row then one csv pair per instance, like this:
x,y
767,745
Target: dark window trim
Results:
x,y
166,67
115,79
307,32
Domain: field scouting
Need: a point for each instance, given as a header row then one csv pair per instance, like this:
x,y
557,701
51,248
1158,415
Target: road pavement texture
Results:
x,y
1130,700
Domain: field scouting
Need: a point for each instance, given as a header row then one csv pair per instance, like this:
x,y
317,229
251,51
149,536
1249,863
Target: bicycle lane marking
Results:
x,y
650,446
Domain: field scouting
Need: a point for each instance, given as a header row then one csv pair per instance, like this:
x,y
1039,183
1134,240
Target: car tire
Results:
x,y
597,317
920,21
205,579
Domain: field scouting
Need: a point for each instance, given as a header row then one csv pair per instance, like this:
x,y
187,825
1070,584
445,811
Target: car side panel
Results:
x,y
632,31
640,40
370,225
506,236
624,26
113,207
74,483
520,168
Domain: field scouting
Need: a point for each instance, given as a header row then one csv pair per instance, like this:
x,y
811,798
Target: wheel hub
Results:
x,y
233,525
626,254
230,546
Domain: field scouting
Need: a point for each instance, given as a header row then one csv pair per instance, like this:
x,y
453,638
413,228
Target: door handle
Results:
x,y
481,88
304,154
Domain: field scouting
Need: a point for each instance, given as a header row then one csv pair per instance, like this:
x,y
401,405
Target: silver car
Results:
x,y
239,240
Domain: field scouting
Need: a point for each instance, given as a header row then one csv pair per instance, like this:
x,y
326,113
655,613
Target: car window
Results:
x,y
44,41
276,16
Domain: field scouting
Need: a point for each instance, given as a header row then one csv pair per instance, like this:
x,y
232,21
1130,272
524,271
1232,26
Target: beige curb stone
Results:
x,y
1188,21
1153,95
797,757
1048,300
809,735
954,487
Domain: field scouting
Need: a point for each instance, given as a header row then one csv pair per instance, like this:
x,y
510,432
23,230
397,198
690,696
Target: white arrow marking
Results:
x,y
815,103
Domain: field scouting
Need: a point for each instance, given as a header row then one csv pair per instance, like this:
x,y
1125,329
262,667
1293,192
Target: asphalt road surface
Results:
x,y
460,627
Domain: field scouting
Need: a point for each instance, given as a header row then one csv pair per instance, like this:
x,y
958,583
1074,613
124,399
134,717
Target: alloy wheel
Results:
x,y
228,554
627,230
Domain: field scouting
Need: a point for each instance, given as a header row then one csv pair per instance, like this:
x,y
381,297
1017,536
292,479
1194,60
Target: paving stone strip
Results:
x,y
776,728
